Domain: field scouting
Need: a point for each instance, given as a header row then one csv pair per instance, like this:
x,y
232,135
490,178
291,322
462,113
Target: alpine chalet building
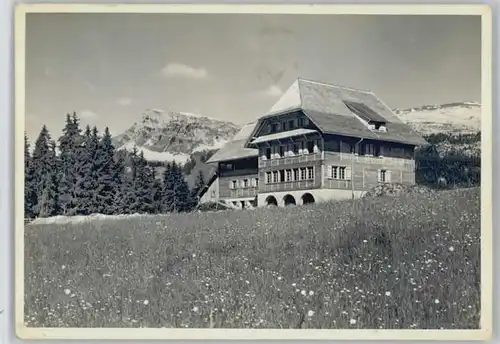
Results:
x,y
318,142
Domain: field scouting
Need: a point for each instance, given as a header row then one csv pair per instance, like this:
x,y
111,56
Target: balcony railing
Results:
x,y
368,159
290,160
243,192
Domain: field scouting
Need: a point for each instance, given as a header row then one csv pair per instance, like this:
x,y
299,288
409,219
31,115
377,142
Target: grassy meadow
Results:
x,y
408,262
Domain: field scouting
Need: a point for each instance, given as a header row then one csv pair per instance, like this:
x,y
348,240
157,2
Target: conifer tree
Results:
x,y
106,178
30,198
86,185
176,195
126,201
143,185
49,204
157,196
69,144
41,167
168,187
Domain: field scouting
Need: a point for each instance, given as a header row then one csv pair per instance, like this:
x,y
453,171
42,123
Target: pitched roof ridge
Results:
x,y
333,85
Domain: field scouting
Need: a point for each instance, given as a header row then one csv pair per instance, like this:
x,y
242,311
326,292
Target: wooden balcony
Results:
x,y
291,160
293,185
242,192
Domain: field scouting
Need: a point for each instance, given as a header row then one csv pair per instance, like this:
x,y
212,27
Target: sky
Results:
x,y
110,68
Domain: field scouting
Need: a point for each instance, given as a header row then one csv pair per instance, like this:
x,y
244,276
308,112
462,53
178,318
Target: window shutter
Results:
x,y
348,173
388,175
379,172
231,184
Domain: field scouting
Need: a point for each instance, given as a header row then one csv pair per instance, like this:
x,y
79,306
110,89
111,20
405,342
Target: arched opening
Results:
x,y
307,198
271,200
289,200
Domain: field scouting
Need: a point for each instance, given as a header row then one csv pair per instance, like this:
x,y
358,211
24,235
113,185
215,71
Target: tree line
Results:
x,y
454,168
83,173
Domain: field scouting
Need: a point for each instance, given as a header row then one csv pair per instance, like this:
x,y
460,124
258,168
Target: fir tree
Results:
x,y
30,197
49,204
126,201
69,144
86,186
176,195
143,185
106,178
157,196
41,165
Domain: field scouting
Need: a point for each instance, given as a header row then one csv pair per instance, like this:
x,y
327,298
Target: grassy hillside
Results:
x,y
406,262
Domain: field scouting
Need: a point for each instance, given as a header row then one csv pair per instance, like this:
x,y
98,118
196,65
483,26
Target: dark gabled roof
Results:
x,y
235,149
325,105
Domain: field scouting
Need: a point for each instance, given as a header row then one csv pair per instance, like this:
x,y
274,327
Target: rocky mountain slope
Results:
x,y
167,136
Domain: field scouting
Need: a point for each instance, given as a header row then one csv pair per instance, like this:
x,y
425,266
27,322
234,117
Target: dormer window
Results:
x,y
369,117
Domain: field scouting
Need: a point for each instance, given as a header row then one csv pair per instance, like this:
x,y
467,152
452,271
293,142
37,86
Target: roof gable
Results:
x,y
289,100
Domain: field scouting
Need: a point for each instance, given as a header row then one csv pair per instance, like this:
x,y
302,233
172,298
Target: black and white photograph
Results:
x,y
253,171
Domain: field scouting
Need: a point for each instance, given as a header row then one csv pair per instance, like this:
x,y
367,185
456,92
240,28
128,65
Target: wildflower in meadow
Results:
x,y
145,302
310,313
387,293
195,309
303,292
451,249
311,293
352,321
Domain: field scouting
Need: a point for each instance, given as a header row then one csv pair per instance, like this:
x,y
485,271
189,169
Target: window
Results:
x,y
288,175
384,176
306,121
274,127
268,177
302,173
316,146
234,184
255,182
339,172
335,172
296,148
275,177
282,176
283,125
268,153
282,151
291,124
310,172
310,147
369,149
295,174
245,183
